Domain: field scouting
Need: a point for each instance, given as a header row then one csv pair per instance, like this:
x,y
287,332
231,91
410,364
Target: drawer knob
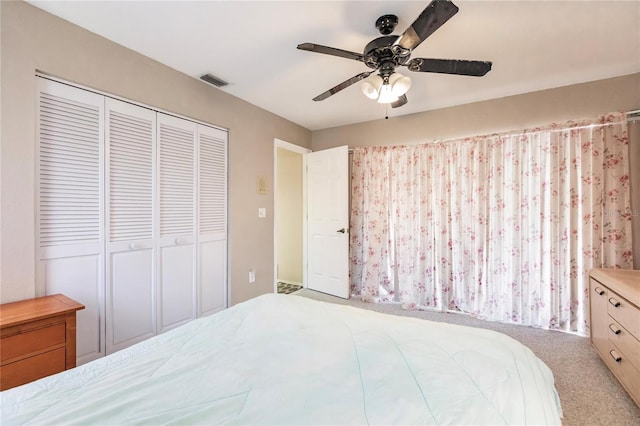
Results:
x,y
614,302
615,329
599,291
615,356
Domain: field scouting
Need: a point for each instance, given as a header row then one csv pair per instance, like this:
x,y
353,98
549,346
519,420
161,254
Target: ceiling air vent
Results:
x,y
212,79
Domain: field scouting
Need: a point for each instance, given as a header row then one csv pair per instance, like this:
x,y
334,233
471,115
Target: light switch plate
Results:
x,y
261,185
262,212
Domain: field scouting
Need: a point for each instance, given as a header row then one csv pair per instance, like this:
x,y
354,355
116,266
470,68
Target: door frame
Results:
x,y
280,144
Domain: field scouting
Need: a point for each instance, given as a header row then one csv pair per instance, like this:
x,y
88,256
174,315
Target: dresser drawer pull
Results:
x,y
615,356
599,291
614,302
615,329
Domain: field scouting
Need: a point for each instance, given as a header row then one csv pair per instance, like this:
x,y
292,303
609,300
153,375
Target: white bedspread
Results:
x,y
282,359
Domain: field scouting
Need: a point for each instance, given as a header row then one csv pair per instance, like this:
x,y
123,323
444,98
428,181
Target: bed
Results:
x,y
286,359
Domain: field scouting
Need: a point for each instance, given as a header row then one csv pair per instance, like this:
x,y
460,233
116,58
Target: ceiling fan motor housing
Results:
x,y
383,50
386,24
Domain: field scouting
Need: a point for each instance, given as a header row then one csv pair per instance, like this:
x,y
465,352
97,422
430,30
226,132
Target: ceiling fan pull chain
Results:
x,y
386,111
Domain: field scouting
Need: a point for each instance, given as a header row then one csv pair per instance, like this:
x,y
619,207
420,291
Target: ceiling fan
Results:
x,y
384,54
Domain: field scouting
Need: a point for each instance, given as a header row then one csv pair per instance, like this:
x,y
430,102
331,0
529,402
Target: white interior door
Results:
x,y
328,221
69,214
177,216
131,292
212,220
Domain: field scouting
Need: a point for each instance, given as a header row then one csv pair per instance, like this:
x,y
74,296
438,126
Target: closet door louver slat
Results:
x,y
213,183
130,177
69,171
176,180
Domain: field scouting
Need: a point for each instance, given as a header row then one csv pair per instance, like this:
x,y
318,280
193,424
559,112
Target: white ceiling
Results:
x,y
533,45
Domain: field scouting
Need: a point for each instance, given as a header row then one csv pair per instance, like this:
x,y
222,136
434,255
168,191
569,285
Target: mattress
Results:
x,y
283,359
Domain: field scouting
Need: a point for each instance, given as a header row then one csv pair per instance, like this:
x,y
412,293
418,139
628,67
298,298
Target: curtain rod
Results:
x,y
631,116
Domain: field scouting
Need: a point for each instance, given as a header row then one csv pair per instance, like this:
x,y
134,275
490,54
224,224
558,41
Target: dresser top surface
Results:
x,y
625,282
16,313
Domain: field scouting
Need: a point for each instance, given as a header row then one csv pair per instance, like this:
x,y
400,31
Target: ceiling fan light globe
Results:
x,y
386,95
371,86
401,85
369,90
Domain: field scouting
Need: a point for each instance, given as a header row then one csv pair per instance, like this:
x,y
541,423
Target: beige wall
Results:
x,y
498,115
289,215
35,40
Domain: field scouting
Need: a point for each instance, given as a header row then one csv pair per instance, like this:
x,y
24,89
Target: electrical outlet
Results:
x,y
252,275
262,212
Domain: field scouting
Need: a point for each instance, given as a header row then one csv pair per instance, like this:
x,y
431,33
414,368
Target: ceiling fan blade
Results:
x,y
450,66
432,17
318,48
401,101
342,85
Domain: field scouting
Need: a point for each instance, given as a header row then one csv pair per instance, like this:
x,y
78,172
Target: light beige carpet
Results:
x,y
589,393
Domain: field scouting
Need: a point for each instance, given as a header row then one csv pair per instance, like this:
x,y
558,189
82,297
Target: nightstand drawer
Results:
x,y
628,345
624,370
30,369
625,313
28,342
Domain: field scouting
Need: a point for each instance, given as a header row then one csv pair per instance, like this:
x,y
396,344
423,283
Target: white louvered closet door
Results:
x,y
131,219
212,223
69,205
177,211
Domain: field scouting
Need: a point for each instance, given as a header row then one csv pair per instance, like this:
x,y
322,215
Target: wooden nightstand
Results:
x,y
37,338
615,323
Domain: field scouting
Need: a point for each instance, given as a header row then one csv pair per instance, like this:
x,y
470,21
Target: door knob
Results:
x,y
342,230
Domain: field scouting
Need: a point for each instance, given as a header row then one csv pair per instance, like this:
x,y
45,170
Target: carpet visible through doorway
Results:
x,y
286,288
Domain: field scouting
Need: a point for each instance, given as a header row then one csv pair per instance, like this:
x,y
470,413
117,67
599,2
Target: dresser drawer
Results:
x,y
625,313
624,370
629,345
28,342
33,368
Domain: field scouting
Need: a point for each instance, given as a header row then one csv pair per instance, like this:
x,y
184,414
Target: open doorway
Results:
x,y
289,211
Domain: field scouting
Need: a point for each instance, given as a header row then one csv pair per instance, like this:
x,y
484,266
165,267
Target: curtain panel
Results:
x,y
504,227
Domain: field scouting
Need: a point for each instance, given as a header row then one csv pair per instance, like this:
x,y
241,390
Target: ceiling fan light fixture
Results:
x,y
375,87
384,54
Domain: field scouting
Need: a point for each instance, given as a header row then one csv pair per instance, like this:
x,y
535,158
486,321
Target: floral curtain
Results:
x,y
504,227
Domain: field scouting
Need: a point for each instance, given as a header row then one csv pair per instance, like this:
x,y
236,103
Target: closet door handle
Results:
x,y
615,329
342,230
615,356
599,291
614,302
132,246
178,241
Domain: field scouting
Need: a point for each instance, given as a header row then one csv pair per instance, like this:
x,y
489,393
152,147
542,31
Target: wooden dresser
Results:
x,y
37,338
615,323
